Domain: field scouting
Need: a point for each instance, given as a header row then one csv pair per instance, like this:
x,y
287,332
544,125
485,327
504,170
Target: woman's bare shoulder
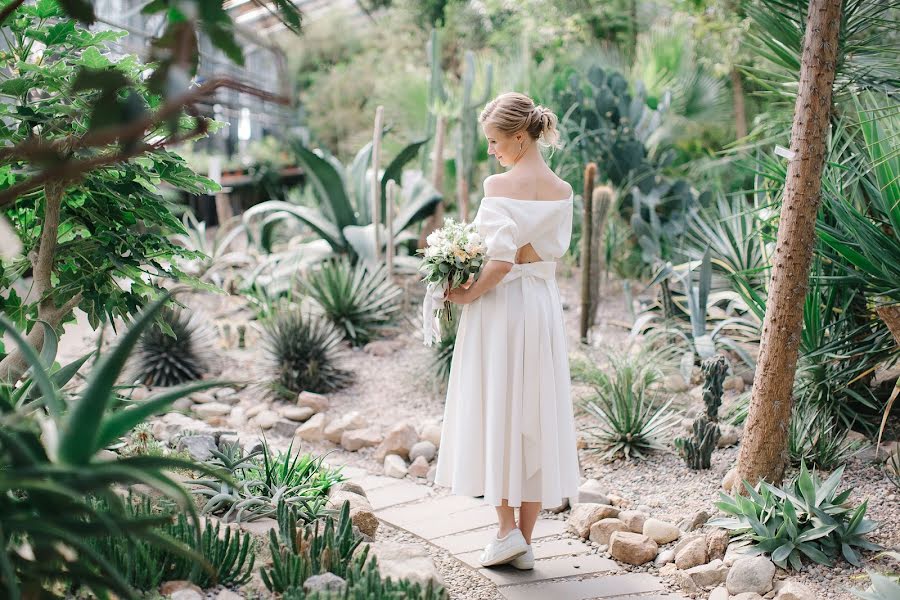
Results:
x,y
507,186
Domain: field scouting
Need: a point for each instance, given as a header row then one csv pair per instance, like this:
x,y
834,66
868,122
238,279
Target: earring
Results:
x,y
520,145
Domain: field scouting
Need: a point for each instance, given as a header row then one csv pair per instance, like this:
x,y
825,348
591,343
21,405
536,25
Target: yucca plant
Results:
x,y
892,468
50,471
175,351
817,438
360,299
228,556
304,353
629,419
807,517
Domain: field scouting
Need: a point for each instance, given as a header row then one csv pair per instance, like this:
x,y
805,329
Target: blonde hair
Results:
x,y
512,112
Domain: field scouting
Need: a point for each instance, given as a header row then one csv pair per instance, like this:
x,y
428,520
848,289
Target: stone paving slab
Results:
x,y
464,520
629,585
550,568
542,549
374,482
427,510
390,495
476,540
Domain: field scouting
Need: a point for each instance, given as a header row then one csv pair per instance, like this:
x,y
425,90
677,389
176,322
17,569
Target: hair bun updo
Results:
x,y
512,112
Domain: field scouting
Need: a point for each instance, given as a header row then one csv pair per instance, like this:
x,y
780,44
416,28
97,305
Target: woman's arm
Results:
x,y
494,271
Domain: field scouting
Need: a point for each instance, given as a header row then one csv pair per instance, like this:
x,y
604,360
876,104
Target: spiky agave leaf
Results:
x,y
165,360
304,353
359,299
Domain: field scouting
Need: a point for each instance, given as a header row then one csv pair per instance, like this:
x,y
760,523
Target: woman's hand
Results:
x,y
460,295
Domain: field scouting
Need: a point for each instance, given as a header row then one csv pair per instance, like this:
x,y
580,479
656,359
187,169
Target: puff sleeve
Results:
x,y
499,231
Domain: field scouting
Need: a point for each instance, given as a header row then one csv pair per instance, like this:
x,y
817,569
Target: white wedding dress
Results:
x,y
508,429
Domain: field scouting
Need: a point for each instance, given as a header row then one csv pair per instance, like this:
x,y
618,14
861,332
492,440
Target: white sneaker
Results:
x,y
500,551
526,561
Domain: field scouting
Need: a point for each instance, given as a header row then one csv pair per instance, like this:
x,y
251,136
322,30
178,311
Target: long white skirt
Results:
x,y
508,429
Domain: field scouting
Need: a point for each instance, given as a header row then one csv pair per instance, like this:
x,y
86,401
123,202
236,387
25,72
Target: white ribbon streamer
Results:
x,y
434,298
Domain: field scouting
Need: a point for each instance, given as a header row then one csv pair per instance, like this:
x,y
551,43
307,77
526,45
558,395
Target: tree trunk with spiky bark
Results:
x,y
763,453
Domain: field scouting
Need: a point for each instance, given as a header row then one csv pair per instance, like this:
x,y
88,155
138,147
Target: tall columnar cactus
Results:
x,y
714,369
467,134
437,94
697,450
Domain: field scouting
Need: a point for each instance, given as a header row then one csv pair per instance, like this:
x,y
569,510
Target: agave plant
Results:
x,y
882,588
705,336
807,517
174,350
51,470
344,217
361,300
305,353
629,420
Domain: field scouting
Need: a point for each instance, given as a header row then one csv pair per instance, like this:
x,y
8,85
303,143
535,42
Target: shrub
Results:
x,y
805,518
166,358
358,299
304,353
817,438
628,419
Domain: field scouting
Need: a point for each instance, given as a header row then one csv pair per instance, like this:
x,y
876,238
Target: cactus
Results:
x,y
467,134
714,369
697,450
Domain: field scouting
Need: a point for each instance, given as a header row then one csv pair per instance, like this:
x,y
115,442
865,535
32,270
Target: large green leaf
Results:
x,y
394,170
328,181
315,219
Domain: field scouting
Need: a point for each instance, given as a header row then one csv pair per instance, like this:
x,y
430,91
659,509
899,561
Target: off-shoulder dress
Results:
x,y
508,430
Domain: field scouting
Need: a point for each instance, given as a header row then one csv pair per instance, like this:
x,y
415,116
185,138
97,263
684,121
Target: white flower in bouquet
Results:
x,y
454,253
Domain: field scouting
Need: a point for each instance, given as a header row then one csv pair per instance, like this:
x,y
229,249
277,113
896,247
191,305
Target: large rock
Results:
x,y
361,513
424,448
177,585
173,423
634,519
256,409
419,467
585,514
284,428
297,413
730,435
665,557
687,539
347,486
432,432
360,438
593,491
709,575
753,574
317,402
747,596
405,561
632,548
200,447
692,555
717,542
398,440
720,593
602,530
660,531
266,420
324,582
212,409
346,422
314,429
791,590
395,466
695,522
685,582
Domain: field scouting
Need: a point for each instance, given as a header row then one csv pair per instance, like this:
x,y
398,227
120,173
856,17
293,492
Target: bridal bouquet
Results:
x,y
453,254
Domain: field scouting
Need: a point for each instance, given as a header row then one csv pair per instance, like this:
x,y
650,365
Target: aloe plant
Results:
x,y
344,217
50,466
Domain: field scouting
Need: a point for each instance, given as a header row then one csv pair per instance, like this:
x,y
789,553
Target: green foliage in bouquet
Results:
x,y
807,517
359,299
305,353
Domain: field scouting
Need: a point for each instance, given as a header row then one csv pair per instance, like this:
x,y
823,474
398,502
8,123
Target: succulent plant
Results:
x,y
714,368
304,352
166,358
697,450
359,299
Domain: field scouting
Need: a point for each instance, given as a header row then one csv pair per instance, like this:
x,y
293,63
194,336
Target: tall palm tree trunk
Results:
x,y
763,453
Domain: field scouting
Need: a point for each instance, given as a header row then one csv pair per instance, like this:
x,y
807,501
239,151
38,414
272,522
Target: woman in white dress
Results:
x,y
508,432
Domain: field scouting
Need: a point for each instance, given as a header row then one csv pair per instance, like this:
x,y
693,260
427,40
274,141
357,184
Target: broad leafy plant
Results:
x,y
51,468
807,517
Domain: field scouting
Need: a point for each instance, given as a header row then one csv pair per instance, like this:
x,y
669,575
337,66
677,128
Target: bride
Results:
x,y
508,432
